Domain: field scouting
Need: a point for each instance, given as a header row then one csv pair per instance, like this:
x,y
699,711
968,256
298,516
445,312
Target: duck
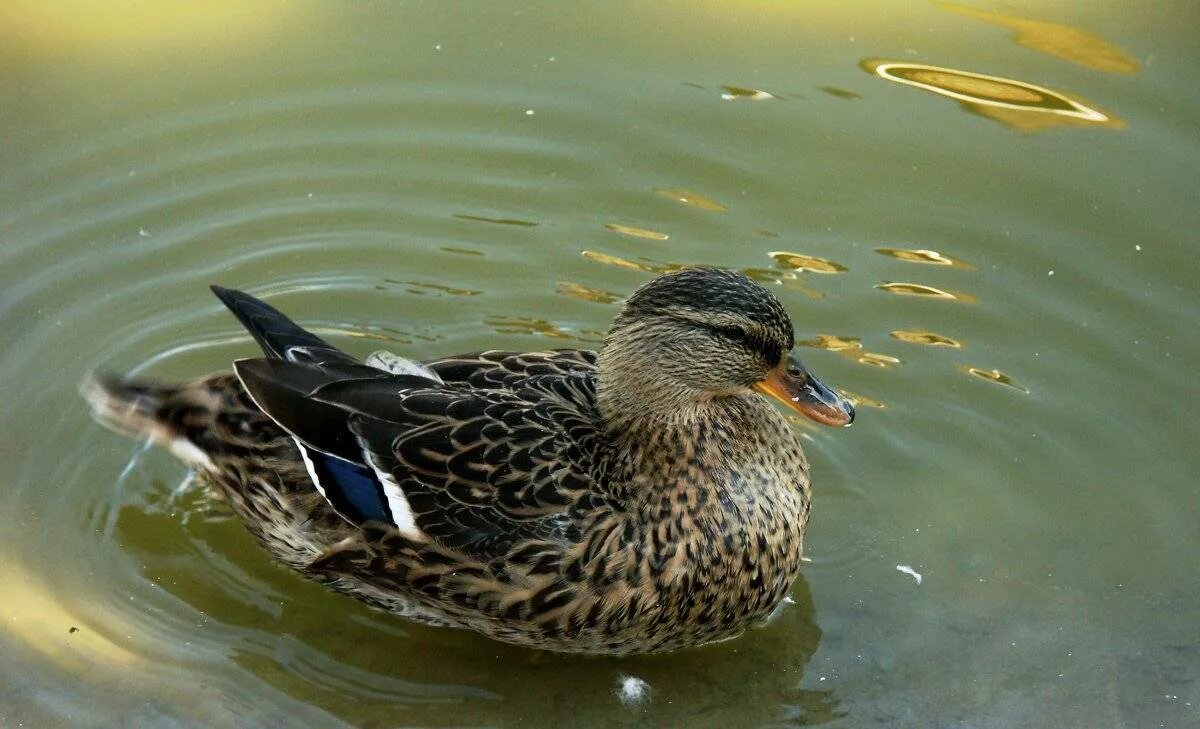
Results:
x,y
644,498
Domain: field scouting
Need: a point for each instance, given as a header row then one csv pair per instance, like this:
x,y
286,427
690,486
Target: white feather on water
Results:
x,y
632,690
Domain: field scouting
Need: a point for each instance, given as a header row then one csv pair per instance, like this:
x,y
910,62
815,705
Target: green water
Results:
x,y
427,177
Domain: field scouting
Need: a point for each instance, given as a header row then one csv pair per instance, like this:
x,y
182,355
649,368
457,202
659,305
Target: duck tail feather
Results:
x,y
126,406
279,336
144,410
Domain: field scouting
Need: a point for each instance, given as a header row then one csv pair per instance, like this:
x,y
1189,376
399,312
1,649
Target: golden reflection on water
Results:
x,y
533,325
643,265
125,24
851,348
920,336
798,286
786,278
636,232
381,334
1018,105
1063,41
995,376
587,293
915,289
768,275
801,262
34,616
425,289
923,255
859,400
694,199
740,93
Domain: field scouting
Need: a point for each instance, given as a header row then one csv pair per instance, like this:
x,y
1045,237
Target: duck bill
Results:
x,y
793,385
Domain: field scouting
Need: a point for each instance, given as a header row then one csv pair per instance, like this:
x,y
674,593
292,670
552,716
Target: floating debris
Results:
x,y
779,609
909,571
632,690
995,376
915,289
923,255
694,199
920,336
636,232
422,289
839,93
802,262
1018,105
498,221
461,251
738,93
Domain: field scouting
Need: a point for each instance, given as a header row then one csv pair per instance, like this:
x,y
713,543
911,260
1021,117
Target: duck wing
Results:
x,y
513,370
475,470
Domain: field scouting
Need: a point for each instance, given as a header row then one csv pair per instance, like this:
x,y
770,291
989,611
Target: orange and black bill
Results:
x,y
792,384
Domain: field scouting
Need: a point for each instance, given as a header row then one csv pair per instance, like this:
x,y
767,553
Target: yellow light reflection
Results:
x,y
922,255
133,24
738,93
587,293
915,289
647,266
851,348
920,336
769,275
636,232
35,616
995,376
528,325
1018,105
694,199
801,262
1063,41
859,400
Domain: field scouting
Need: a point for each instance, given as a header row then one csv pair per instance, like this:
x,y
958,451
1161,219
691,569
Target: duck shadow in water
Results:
x,y
368,668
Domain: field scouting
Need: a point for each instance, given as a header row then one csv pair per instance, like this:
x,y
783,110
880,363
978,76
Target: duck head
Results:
x,y
701,334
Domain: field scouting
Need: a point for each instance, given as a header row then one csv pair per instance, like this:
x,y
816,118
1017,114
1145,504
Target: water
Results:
x,y
442,177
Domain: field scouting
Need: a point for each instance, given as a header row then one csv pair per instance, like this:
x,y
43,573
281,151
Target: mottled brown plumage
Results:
x,y
643,500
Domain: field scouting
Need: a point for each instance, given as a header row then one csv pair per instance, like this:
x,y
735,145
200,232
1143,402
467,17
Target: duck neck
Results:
x,y
629,397
657,424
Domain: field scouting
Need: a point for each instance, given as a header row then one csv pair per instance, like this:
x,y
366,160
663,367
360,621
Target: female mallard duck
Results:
x,y
642,499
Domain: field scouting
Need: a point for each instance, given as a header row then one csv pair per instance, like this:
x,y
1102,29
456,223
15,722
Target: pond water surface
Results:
x,y
982,219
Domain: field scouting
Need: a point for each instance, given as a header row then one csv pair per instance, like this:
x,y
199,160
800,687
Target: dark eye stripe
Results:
x,y
769,352
737,334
